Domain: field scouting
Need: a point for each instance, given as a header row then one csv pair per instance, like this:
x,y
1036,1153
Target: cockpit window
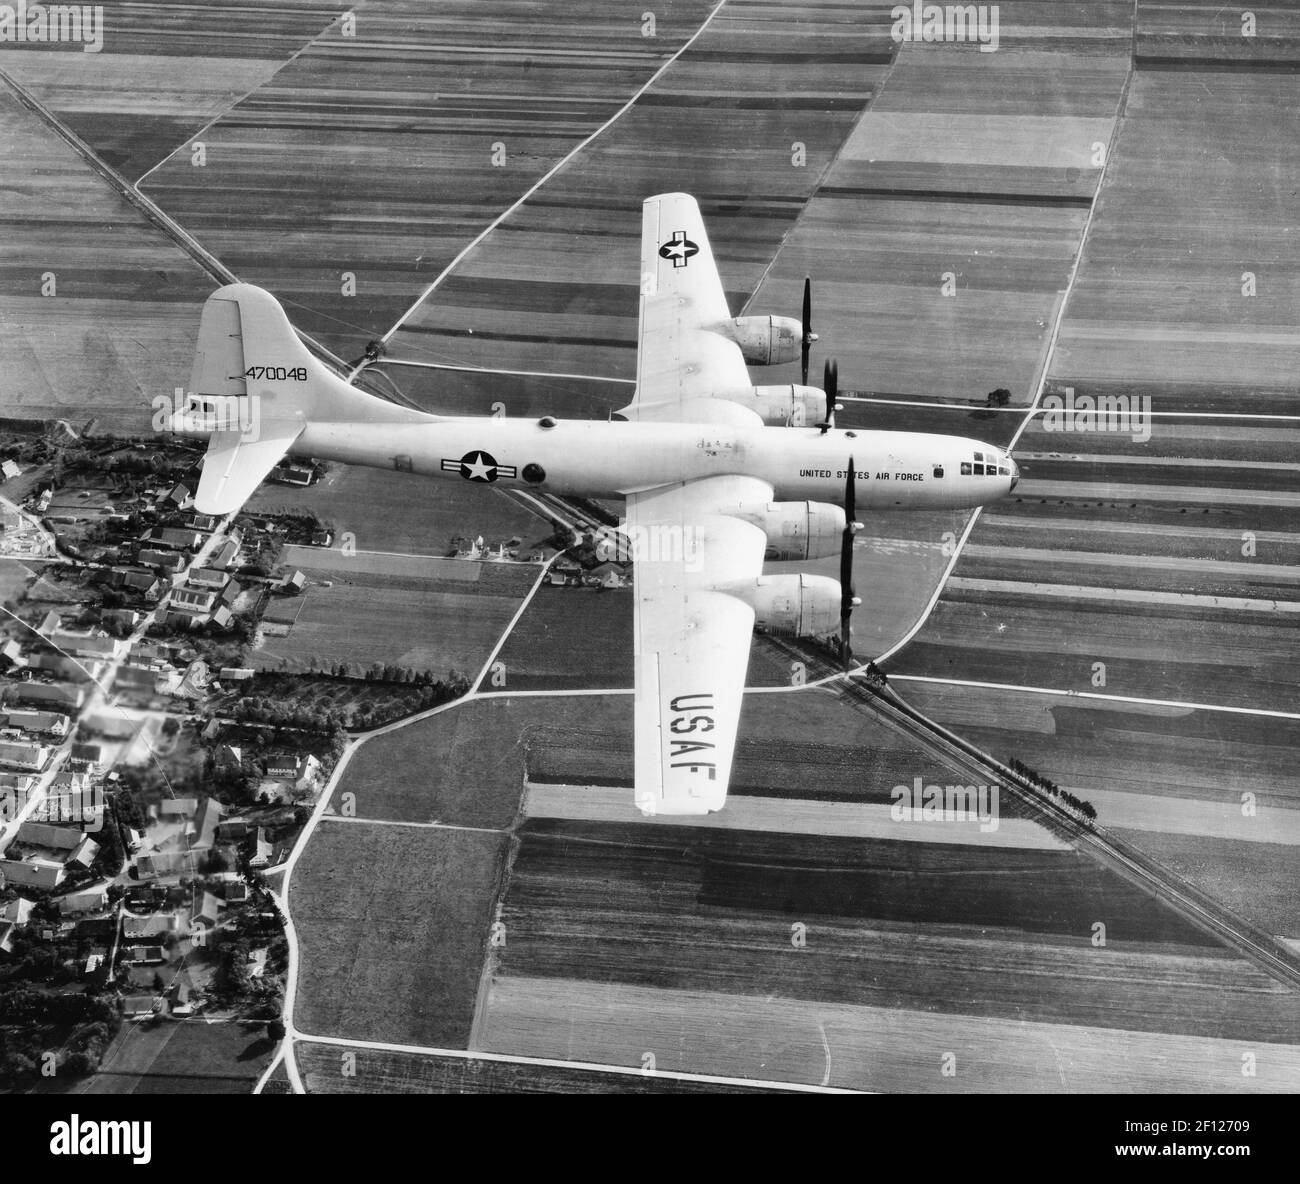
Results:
x,y
965,468
1003,471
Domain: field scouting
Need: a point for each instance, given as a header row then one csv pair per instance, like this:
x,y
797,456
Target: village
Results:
x,y
140,822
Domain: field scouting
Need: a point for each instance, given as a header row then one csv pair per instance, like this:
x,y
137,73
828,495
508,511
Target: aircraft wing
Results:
x,y
692,636
681,356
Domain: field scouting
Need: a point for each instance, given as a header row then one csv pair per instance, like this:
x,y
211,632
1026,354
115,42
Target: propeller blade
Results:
x,y
831,385
808,336
846,563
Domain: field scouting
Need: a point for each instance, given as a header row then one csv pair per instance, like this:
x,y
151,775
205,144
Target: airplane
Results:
x,y
717,474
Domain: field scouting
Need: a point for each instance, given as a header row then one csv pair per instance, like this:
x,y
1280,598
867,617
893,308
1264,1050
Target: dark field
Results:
x,y
393,923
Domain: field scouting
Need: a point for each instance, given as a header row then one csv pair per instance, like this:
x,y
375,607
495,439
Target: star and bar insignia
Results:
x,y
679,249
478,466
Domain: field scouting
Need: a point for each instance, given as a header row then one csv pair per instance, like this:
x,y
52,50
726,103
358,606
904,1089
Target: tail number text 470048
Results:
x,y
280,373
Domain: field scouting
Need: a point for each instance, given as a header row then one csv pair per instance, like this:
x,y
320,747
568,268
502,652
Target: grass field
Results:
x,y
393,923
425,624
193,1057
465,766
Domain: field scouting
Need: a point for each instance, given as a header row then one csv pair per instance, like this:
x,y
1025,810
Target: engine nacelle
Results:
x,y
791,406
797,530
800,605
766,341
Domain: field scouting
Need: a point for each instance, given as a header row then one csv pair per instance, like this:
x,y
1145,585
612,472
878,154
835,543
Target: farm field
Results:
x,y
192,1057
393,922
365,617
354,141
870,1048
466,765
936,927
390,1072
121,324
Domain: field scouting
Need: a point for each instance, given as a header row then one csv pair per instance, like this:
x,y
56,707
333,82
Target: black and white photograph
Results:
x,y
673,547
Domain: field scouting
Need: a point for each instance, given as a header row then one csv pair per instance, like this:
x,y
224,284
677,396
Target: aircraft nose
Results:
x,y
1015,471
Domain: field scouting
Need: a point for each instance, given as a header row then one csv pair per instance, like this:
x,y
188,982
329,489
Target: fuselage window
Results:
x,y
938,470
979,469
965,468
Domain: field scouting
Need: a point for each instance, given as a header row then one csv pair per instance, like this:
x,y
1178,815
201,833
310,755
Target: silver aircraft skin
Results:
x,y
718,475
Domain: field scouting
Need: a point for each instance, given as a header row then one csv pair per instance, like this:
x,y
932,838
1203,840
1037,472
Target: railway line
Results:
x,y
871,694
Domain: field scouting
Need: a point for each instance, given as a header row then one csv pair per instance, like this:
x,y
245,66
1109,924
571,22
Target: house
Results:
x,y
235,674
173,538
287,473
59,694
158,925
18,911
49,623
224,556
174,863
166,562
11,652
83,855
322,538
91,753
9,469
7,936
89,645
179,496
145,896
222,617
263,851
23,754
205,522
145,583
207,909
61,665
286,766
42,834
92,900
294,583
195,601
236,892
146,955
32,872
206,820
207,577
52,722
233,831
136,1006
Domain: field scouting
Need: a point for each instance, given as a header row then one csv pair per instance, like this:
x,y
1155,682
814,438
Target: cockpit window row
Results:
x,y
984,465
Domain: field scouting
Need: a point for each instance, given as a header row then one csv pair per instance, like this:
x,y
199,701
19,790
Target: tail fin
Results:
x,y
253,387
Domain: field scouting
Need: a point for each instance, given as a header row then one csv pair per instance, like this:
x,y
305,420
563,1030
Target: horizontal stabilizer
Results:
x,y
235,466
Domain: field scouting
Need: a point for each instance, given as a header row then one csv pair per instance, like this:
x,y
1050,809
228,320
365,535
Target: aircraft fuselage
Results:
x,y
600,459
